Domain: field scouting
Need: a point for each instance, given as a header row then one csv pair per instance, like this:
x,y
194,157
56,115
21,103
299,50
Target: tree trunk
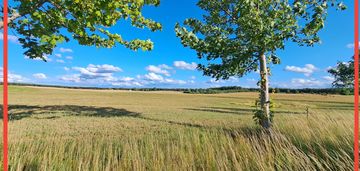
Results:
x,y
264,93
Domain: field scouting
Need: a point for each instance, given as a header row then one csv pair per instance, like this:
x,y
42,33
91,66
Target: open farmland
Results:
x,y
66,129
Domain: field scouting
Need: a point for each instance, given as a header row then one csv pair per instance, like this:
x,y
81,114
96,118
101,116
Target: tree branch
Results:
x,y
13,17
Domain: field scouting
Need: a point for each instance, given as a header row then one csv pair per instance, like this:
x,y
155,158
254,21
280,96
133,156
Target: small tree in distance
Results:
x,y
343,74
41,24
241,36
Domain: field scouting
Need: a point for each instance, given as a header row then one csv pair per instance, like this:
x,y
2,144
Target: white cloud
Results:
x,y
58,55
157,70
71,78
11,38
13,78
109,79
69,57
307,70
301,83
40,76
322,82
60,61
65,50
127,84
164,66
172,81
351,45
47,58
105,68
126,81
154,77
104,72
329,68
329,78
39,59
234,79
184,65
16,78
214,81
105,75
99,75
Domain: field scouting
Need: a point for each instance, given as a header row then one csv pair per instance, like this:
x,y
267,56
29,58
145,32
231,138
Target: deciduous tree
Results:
x,y
241,36
42,24
343,74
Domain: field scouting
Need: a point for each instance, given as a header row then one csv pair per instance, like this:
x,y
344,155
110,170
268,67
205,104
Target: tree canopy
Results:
x,y
237,37
343,74
233,33
42,24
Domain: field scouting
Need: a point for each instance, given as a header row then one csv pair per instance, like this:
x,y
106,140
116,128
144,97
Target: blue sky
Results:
x,y
171,65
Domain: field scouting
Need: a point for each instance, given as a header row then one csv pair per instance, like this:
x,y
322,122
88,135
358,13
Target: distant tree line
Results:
x,y
99,88
233,89
215,90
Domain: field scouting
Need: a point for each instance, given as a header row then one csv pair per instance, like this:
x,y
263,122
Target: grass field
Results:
x,y
64,129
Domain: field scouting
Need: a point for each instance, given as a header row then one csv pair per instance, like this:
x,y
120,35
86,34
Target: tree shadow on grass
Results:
x,y
18,112
187,124
238,111
336,107
244,131
222,110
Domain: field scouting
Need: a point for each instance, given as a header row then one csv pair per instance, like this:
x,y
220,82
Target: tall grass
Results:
x,y
63,139
306,144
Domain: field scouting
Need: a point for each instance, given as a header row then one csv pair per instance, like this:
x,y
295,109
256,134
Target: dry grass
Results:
x,y
60,129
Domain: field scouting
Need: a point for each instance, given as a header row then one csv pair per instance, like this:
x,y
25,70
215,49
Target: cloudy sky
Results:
x,y
171,65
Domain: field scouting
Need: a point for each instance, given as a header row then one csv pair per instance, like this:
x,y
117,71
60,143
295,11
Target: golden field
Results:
x,y
68,129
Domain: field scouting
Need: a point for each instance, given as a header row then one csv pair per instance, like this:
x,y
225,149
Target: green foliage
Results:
x,y
237,37
234,33
343,74
346,91
259,114
236,89
41,24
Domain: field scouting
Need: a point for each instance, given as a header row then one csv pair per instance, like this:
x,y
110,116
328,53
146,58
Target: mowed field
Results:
x,y
67,129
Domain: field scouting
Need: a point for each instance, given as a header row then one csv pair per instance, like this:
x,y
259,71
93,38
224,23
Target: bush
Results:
x,y
346,92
